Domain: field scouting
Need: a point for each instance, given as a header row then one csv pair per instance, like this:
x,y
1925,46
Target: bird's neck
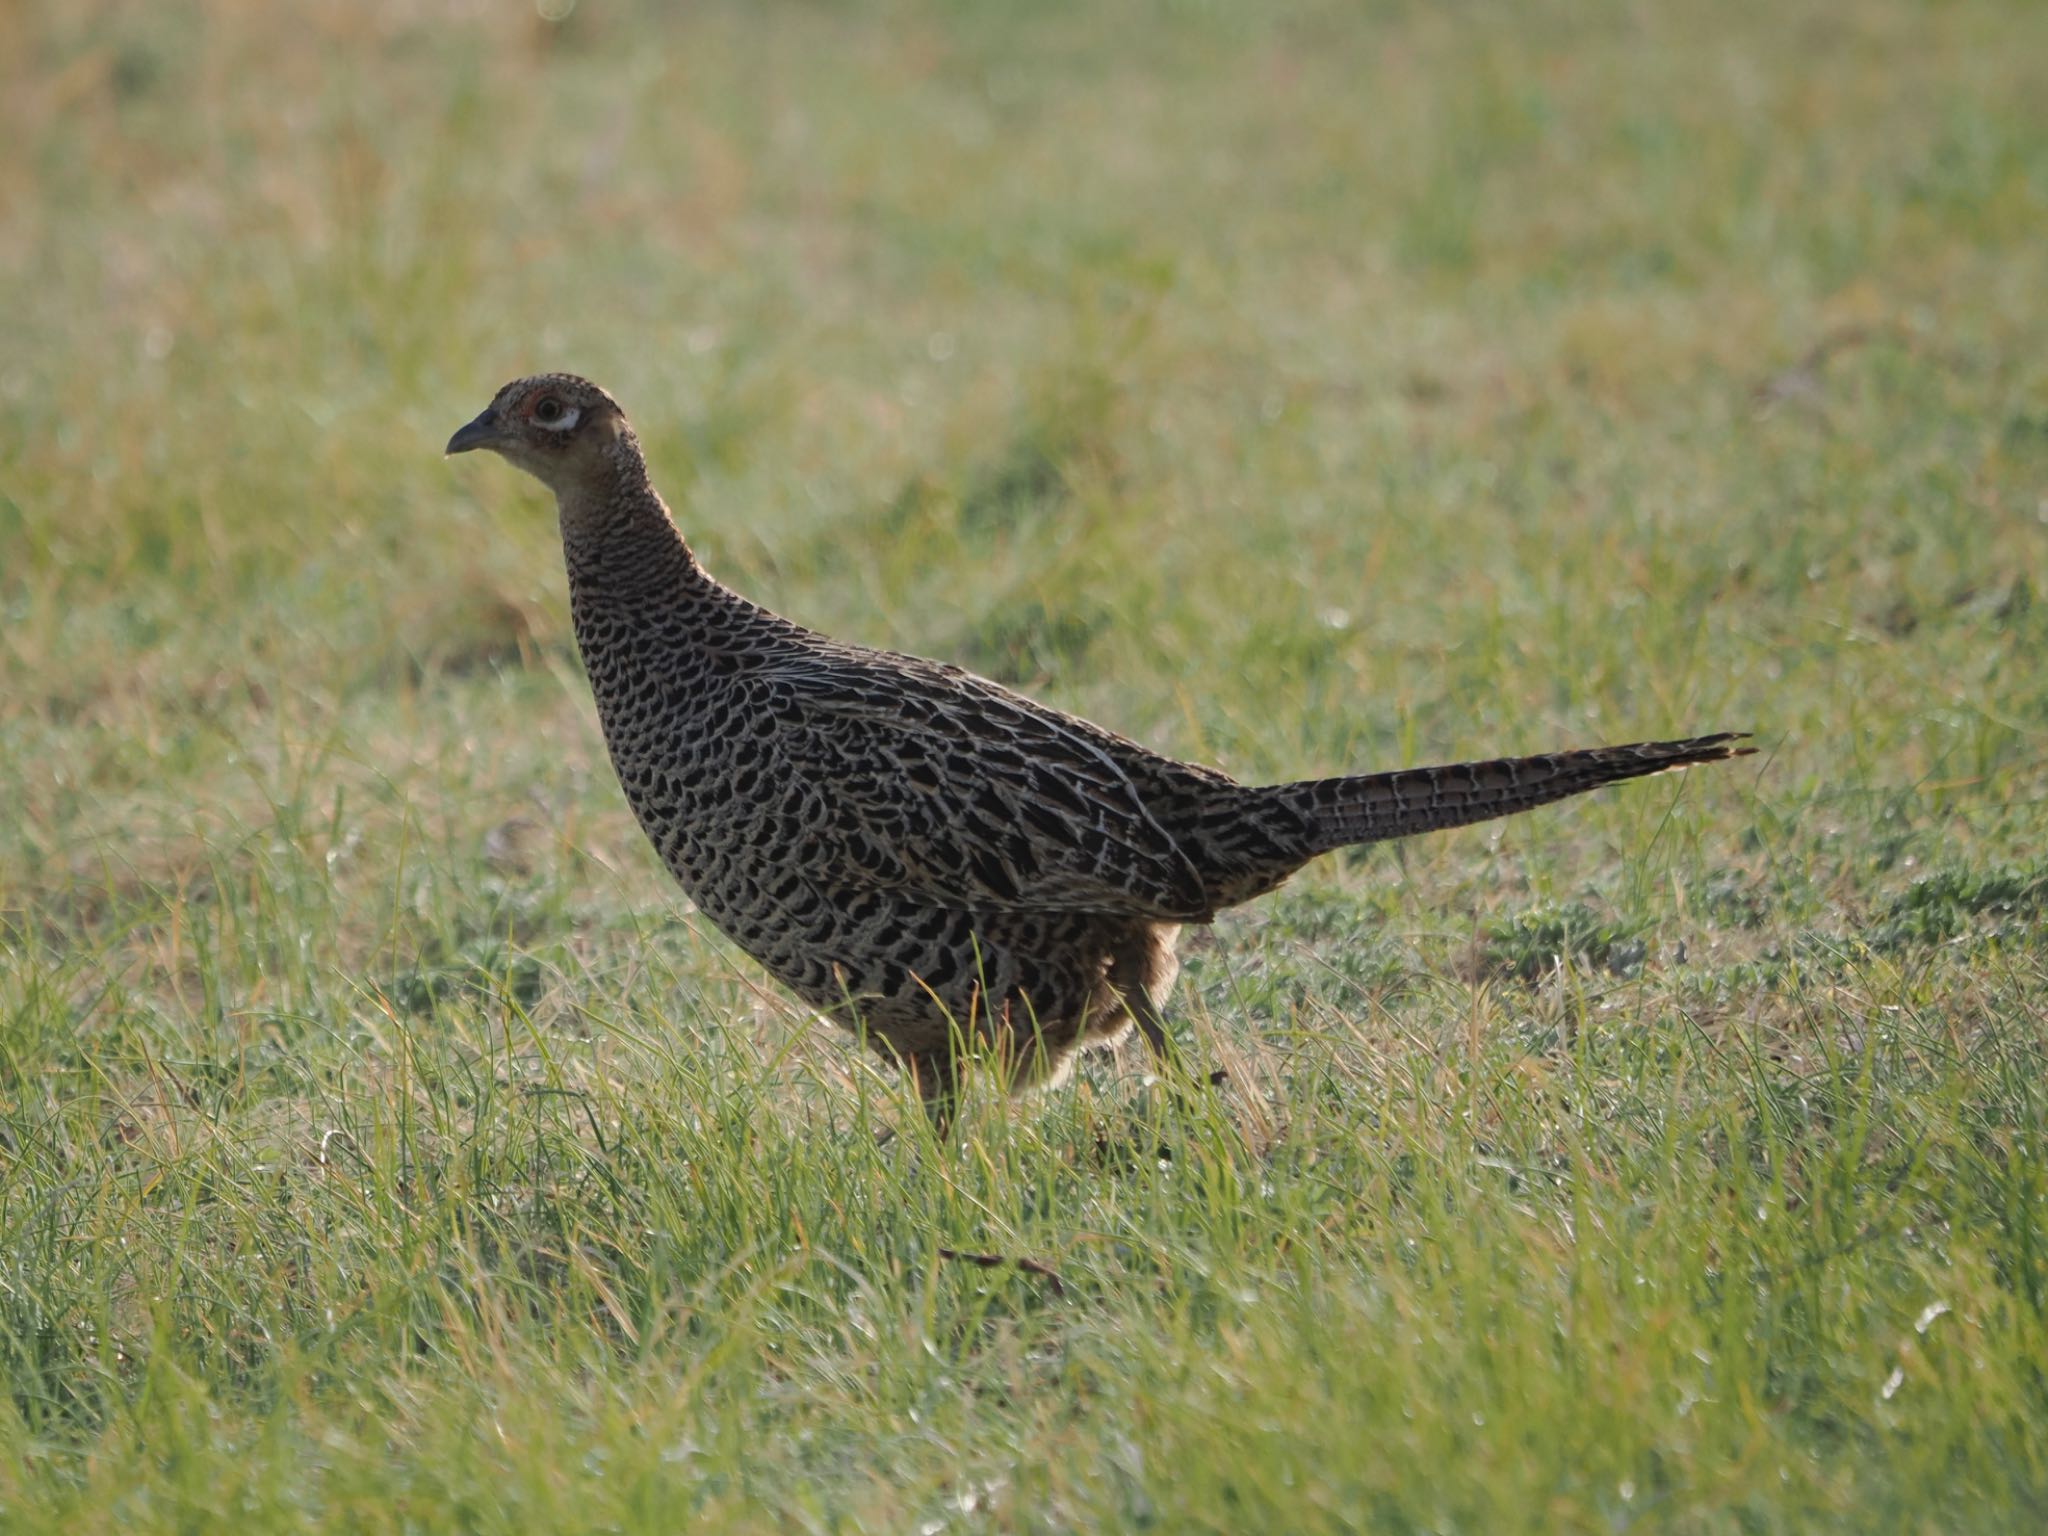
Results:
x,y
621,542
645,613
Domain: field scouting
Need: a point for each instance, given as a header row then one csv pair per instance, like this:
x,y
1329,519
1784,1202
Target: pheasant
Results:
x,y
918,853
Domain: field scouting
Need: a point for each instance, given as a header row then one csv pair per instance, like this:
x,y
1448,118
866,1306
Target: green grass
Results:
x,y
385,1147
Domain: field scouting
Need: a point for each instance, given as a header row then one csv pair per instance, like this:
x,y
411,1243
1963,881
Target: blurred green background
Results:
x,y
1298,388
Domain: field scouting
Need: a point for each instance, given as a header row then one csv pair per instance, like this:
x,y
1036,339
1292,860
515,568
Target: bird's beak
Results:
x,y
481,433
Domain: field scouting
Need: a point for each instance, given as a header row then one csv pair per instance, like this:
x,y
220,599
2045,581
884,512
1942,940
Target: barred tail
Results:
x,y
1371,808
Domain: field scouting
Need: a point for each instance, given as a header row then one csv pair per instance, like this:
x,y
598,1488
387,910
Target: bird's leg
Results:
x,y
1152,1025
936,1075
1151,1022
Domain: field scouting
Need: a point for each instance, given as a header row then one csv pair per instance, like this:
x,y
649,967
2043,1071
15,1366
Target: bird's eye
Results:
x,y
550,412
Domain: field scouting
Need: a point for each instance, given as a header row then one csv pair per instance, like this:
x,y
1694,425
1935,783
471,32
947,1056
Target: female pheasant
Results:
x,y
916,852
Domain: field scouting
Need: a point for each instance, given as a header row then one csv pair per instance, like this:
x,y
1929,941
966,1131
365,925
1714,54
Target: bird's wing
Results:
x,y
936,781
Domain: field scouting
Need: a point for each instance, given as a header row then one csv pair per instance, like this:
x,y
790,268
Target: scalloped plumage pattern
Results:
x,y
912,850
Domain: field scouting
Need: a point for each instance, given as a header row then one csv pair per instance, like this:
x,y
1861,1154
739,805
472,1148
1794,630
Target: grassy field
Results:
x,y
385,1147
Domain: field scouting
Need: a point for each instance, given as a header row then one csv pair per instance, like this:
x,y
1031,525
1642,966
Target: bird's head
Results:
x,y
564,431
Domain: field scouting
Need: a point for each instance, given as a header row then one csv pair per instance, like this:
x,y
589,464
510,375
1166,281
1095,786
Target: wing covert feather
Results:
x,y
975,797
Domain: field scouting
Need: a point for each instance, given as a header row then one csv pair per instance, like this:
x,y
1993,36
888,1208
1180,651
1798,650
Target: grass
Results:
x,y
385,1147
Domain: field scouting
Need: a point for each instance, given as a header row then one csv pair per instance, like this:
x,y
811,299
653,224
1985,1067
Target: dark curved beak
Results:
x,y
480,433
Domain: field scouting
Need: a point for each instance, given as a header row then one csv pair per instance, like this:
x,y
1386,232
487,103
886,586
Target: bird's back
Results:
x,y
845,763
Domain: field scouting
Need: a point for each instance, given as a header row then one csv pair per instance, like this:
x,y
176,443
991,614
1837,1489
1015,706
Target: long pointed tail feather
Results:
x,y
1371,808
